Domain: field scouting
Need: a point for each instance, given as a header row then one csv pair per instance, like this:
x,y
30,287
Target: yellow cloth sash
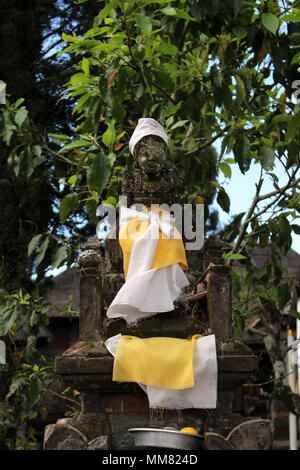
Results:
x,y
168,251
158,362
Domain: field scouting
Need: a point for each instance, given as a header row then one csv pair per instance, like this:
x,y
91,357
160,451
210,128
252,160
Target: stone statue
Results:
x,y
153,252
154,183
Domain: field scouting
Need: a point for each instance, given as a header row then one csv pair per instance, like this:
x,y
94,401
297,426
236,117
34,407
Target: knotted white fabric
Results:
x,y
146,126
163,221
146,291
203,395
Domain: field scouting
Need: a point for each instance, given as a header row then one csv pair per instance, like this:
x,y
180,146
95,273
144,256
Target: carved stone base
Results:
x,y
254,434
64,436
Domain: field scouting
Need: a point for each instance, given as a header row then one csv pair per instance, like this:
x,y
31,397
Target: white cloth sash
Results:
x,y
144,247
146,291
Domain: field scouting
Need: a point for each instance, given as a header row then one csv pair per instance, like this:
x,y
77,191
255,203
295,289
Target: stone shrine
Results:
x,y
109,409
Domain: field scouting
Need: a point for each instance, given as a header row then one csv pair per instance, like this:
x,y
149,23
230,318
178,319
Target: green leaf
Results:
x,y
217,77
226,169
38,157
236,281
110,201
58,256
85,65
106,11
72,180
35,390
293,127
76,144
281,118
20,116
16,383
292,17
242,153
283,295
270,21
267,156
296,58
99,173
18,102
260,272
63,137
91,207
7,321
109,136
294,313
179,124
240,89
223,200
170,11
68,204
231,255
33,413
169,49
296,228
239,32
42,250
33,320
144,23
34,243
26,162
7,135
37,151
69,37
169,121
83,103
139,91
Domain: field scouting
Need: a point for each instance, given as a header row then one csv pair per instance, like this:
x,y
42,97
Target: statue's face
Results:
x,y
151,154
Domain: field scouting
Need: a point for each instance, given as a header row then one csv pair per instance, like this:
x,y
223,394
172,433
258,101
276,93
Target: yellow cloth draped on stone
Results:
x,y
158,362
169,250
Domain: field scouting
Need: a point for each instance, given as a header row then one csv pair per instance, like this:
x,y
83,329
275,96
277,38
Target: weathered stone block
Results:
x,y
255,434
219,300
64,437
92,425
100,443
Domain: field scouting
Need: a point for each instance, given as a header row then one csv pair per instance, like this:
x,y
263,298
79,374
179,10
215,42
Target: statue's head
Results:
x,y
150,154
148,145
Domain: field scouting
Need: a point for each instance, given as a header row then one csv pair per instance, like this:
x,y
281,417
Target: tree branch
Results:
x,y
184,31
60,156
279,193
257,198
248,216
282,190
208,142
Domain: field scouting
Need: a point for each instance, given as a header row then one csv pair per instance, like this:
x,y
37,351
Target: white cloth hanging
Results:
x,y
204,393
146,291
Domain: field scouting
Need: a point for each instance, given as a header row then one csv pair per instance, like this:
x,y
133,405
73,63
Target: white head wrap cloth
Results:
x,y
146,126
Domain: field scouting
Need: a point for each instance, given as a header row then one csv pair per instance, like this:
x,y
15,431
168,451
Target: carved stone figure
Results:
x,y
153,252
154,183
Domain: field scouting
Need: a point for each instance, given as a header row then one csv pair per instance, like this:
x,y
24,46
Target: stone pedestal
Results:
x,y
108,408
